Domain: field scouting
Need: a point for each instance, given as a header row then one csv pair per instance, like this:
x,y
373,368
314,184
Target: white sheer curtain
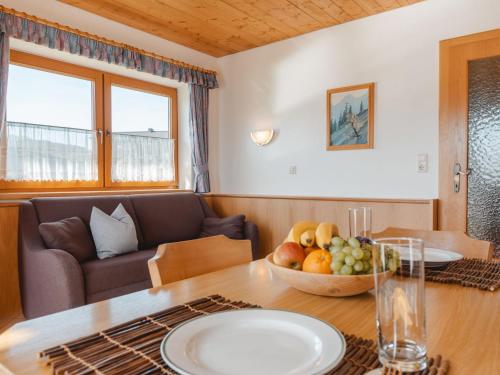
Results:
x,y
140,158
53,153
50,153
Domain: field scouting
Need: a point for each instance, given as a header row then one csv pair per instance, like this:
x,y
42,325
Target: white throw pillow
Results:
x,y
113,235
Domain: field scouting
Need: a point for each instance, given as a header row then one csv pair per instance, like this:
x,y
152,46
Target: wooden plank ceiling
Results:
x,y
223,27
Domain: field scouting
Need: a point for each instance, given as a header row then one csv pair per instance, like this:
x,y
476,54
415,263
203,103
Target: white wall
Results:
x,y
283,85
74,17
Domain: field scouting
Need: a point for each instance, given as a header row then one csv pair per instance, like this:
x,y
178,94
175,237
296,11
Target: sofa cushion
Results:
x,y
58,208
231,227
113,234
168,217
117,272
71,235
207,210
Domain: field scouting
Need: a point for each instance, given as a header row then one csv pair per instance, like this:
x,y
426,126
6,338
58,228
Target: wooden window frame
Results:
x,y
54,66
147,87
101,95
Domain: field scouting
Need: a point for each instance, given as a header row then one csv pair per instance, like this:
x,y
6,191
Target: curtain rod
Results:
x,y
101,39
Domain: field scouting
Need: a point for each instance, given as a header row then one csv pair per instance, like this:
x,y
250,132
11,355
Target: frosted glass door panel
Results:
x,y
483,205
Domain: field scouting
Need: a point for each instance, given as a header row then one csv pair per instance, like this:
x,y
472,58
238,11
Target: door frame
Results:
x,y
453,120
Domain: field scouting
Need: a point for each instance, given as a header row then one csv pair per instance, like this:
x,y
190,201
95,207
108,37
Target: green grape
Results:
x,y
335,249
358,254
338,241
366,246
353,242
336,266
367,254
358,266
339,257
346,270
349,260
347,250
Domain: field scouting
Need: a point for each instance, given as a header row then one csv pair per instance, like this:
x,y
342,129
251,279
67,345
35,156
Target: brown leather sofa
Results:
x,y
53,280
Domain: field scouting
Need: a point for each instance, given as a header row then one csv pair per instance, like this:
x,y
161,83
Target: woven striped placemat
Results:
x,y
475,273
134,347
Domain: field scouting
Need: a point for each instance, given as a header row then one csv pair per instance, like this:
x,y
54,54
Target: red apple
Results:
x,y
289,255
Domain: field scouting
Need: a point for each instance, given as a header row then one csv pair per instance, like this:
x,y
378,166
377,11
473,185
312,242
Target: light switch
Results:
x,y
292,170
422,163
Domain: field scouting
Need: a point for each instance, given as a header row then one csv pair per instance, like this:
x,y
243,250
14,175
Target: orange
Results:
x,y
309,250
318,261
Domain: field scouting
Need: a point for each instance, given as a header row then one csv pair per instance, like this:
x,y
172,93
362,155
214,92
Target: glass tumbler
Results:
x,y
360,222
400,299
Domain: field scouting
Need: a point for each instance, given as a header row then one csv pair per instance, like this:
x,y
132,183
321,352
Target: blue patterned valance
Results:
x,y
69,40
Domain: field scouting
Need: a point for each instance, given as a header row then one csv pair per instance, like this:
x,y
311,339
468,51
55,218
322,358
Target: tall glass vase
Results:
x,y
360,222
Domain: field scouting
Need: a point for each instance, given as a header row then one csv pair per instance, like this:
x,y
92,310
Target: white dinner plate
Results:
x,y
253,341
432,256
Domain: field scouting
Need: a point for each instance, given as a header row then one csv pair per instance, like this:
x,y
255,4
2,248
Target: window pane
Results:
x,y
142,150
38,97
138,112
49,122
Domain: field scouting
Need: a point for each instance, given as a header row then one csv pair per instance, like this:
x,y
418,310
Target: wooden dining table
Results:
x,y
463,324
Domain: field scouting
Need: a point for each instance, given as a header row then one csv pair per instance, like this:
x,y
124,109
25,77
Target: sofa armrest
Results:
x,y
53,281
251,232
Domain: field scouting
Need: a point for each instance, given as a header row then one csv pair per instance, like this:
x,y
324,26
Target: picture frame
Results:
x,y
350,117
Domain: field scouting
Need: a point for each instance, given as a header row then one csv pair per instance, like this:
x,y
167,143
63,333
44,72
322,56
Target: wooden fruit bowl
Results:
x,y
326,285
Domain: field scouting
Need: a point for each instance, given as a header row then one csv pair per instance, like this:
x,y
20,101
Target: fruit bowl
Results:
x,y
323,284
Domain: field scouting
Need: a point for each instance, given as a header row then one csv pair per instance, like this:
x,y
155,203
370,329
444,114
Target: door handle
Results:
x,y
457,172
100,135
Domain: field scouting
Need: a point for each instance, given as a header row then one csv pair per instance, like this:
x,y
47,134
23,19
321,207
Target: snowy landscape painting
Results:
x,y
350,117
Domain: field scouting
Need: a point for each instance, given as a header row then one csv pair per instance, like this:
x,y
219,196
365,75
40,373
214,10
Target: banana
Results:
x,y
299,228
324,233
307,238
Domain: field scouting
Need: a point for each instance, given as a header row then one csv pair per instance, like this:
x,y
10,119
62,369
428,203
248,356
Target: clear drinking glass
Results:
x,y
360,222
401,326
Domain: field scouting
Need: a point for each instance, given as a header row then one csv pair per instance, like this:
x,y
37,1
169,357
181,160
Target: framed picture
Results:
x,y
349,117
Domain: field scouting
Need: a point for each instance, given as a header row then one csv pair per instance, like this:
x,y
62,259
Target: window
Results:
x,y
73,127
140,119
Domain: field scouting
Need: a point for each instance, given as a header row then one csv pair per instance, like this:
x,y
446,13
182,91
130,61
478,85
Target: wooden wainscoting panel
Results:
x,y
274,215
10,300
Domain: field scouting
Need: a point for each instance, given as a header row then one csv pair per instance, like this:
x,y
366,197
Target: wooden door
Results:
x,y
455,57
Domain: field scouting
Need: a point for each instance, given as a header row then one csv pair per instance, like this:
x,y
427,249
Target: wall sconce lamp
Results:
x,y
262,137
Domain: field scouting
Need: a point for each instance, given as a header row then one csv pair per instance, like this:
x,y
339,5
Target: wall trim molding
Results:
x,y
12,197
318,198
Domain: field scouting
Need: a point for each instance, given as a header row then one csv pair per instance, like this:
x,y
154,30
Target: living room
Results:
x,y
213,155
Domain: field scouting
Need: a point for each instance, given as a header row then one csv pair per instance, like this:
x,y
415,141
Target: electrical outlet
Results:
x,y
292,170
422,163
